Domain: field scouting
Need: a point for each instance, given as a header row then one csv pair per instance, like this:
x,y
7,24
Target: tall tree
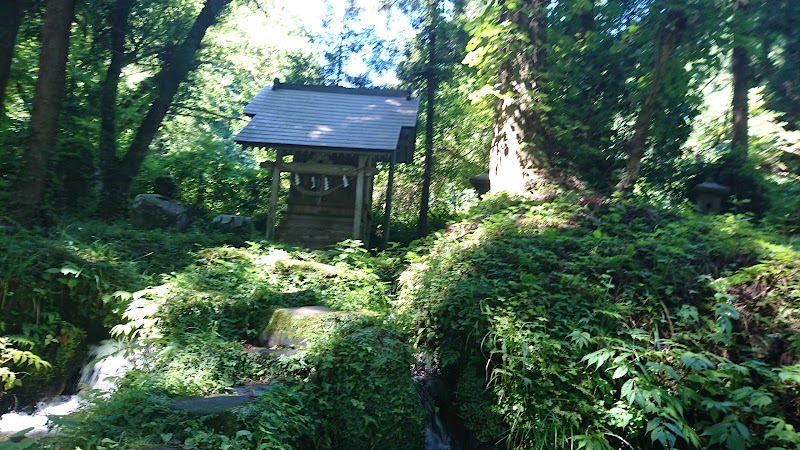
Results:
x,y
27,201
431,78
667,40
740,70
11,13
777,25
118,18
347,40
118,173
519,159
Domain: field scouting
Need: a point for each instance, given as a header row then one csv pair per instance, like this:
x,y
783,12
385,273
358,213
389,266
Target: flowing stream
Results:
x,y
426,379
107,362
436,435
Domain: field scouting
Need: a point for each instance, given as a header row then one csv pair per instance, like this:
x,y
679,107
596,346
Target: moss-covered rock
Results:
x,y
291,327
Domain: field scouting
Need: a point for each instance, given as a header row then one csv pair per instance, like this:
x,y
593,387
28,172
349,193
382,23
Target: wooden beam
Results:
x,y
387,214
359,207
316,168
273,195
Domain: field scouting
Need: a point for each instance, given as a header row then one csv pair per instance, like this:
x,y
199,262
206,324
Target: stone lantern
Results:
x,y
710,196
481,183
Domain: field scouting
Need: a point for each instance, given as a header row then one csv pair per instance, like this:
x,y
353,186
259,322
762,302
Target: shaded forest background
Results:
x,y
592,96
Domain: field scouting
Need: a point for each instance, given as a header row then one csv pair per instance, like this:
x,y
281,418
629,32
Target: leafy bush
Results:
x,y
136,415
623,326
361,387
57,291
54,294
206,366
351,388
11,354
233,290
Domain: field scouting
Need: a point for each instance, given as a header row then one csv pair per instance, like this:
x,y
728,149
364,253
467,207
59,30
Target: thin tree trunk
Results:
x,y
740,69
118,20
11,13
635,146
177,66
518,159
430,97
27,200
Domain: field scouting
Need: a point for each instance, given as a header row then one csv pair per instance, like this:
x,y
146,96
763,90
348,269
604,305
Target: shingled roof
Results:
x,y
300,117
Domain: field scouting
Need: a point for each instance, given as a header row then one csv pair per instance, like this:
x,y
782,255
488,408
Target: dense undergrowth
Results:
x,y
56,291
557,325
619,327
192,310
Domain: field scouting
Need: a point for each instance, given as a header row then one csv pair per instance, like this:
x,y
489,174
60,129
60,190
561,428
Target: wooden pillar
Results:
x,y
359,207
369,186
369,180
387,213
273,195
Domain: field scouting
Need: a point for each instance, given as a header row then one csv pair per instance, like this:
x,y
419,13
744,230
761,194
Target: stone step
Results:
x,y
219,403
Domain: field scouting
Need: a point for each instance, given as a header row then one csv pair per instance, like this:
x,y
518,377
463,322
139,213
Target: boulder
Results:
x,y
229,223
156,211
289,327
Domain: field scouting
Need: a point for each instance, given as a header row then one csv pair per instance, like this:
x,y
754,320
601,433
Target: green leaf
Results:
x,y
620,372
598,357
628,390
695,361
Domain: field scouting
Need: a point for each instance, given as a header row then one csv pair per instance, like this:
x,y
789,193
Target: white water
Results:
x,y
108,363
437,436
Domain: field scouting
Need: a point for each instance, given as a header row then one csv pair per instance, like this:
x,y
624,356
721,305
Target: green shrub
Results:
x,y
361,388
622,326
207,365
233,290
136,415
55,294
12,358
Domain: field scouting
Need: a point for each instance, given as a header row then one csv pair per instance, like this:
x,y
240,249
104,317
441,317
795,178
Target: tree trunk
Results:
x,y
27,199
740,69
637,143
11,13
518,160
177,66
109,161
430,97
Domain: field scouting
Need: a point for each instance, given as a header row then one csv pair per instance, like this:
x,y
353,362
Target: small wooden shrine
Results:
x,y
329,139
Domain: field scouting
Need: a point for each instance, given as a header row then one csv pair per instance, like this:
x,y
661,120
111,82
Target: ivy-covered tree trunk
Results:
x,y
11,13
119,173
27,198
430,98
636,145
519,159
